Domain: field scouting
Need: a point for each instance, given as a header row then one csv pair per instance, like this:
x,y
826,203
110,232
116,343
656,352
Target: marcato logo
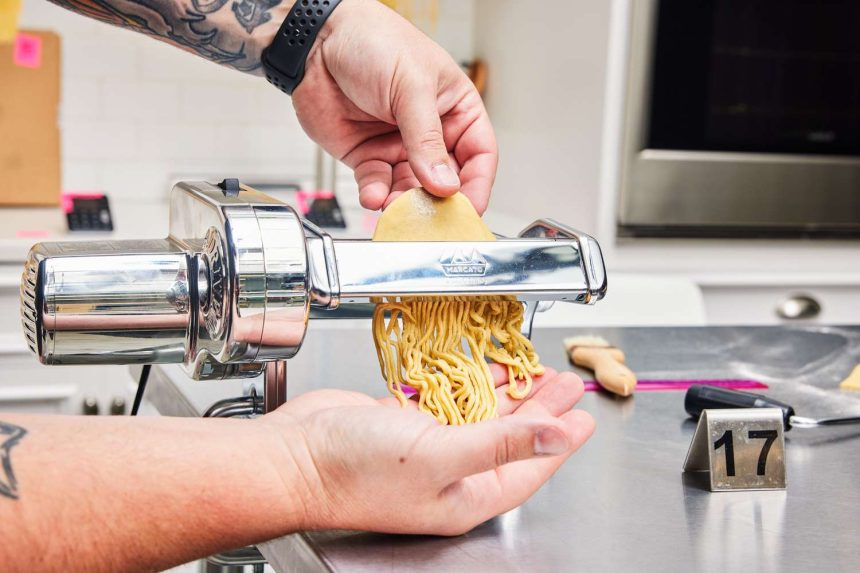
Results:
x,y
462,265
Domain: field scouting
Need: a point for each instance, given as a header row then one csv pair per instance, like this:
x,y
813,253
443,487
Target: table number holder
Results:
x,y
741,449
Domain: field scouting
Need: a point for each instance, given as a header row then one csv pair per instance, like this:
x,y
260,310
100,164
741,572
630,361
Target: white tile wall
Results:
x,y
136,113
454,28
545,97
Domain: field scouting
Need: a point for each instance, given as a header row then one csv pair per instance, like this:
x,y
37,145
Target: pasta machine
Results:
x,y
229,292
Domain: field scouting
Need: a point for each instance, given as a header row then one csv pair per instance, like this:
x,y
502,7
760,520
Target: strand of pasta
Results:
x,y
439,346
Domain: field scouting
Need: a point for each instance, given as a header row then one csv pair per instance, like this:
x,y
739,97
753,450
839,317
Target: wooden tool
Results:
x,y
605,360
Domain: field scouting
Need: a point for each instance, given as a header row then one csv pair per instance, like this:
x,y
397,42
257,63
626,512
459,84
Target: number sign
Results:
x,y
741,448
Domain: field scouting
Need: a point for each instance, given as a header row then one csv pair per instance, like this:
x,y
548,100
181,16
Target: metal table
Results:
x,y
622,502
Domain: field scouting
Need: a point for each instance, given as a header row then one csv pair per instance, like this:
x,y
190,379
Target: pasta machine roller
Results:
x,y
233,285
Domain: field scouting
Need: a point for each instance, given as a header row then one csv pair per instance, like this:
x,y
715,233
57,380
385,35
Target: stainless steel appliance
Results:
x,y
742,118
229,292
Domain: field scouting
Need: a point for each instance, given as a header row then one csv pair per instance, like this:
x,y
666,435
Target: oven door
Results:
x,y
742,118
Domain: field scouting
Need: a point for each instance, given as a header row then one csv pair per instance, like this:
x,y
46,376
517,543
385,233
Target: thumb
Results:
x,y
476,448
421,129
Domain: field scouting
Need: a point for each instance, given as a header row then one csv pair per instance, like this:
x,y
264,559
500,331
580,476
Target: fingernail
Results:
x,y
443,175
550,442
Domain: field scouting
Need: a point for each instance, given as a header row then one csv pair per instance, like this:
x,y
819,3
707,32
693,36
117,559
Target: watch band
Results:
x,y
284,60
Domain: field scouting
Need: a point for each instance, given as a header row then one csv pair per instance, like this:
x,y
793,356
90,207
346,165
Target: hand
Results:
x,y
372,465
391,104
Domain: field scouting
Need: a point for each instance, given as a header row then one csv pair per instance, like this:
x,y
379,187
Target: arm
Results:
x,y
232,33
377,93
125,494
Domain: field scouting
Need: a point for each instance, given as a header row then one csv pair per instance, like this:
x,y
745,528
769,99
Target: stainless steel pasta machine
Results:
x,y
229,292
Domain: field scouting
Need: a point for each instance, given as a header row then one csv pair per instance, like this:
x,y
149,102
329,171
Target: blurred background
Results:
x,y
713,148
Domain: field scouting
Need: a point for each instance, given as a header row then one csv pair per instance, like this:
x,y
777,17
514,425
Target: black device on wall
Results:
x,y
87,212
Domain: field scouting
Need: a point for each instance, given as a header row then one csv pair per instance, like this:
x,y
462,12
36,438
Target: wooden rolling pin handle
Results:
x,y
609,368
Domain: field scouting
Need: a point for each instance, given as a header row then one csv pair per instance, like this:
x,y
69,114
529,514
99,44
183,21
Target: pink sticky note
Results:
x,y
32,233
28,51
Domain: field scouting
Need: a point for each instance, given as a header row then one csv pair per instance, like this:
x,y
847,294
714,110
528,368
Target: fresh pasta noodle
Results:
x,y
439,346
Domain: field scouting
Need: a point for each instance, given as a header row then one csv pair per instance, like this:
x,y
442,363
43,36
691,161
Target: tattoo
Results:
x,y
207,7
10,435
252,13
186,23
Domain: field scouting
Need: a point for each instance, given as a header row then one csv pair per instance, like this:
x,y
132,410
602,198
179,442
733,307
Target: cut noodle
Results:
x,y
439,346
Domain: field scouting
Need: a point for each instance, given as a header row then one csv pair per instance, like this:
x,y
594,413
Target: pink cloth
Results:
x,y
660,385
664,385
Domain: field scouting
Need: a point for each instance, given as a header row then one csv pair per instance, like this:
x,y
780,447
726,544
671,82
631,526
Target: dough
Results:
x,y
419,216
853,380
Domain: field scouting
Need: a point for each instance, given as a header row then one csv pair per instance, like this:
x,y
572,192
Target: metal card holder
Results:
x,y
742,449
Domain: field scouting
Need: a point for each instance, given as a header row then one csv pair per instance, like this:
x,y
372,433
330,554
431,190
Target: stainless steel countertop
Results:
x,y
622,502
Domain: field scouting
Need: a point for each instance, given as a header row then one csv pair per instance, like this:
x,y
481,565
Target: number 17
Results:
x,y
769,436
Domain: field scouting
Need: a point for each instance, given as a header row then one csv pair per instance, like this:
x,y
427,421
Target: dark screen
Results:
x,y
89,204
768,76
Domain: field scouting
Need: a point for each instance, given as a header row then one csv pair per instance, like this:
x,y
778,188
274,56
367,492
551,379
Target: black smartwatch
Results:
x,y
284,60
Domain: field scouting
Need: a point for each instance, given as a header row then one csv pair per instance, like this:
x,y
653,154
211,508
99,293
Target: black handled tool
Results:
x,y
700,397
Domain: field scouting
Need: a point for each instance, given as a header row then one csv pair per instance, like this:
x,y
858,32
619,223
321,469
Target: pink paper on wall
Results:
x,y
28,51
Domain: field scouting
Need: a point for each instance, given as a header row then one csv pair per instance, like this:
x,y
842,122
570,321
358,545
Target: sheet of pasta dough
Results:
x,y
419,216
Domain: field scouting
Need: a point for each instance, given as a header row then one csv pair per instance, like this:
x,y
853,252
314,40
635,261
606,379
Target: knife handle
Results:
x,y
700,397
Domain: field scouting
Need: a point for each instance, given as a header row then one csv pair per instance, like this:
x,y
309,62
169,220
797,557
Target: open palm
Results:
x,y
373,465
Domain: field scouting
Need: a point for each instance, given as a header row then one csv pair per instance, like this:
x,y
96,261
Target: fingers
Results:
x,y
519,481
402,181
476,448
554,398
379,183
500,374
372,162
506,404
422,141
551,394
415,109
374,183
491,493
477,153
477,177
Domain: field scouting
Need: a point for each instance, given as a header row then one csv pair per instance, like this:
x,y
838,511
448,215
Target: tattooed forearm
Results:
x,y
10,435
233,36
252,13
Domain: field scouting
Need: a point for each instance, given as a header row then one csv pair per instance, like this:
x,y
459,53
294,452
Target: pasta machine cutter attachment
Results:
x,y
232,286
